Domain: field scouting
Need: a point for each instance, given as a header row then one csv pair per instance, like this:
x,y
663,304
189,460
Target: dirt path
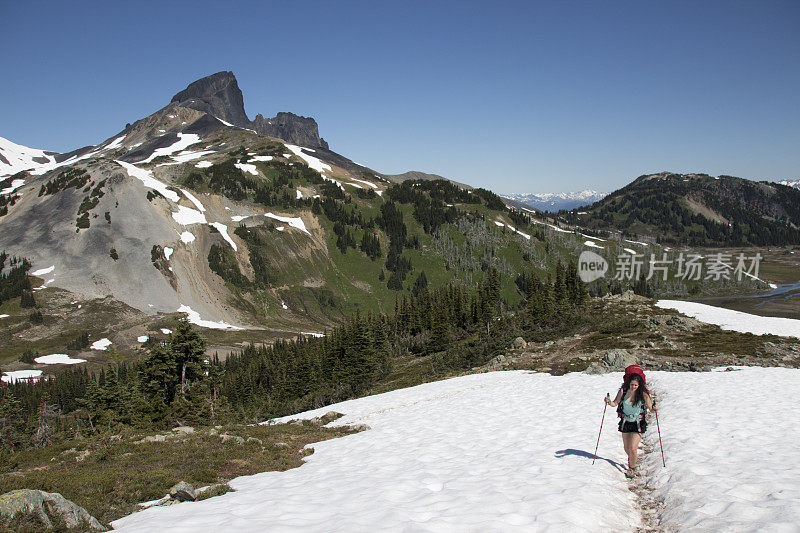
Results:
x,y
646,502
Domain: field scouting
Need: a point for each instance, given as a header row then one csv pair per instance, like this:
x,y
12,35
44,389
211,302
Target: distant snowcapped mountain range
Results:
x,y
554,201
791,183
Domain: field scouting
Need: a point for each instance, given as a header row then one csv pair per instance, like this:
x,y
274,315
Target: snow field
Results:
x,y
102,344
735,320
21,375
146,177
194,318
43,271
310,160
223,230
247,167
730,442
184,141
501,451
58,359
295,222
186,216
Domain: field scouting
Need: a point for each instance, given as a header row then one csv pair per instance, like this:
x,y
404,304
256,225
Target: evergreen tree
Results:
x,y
188,349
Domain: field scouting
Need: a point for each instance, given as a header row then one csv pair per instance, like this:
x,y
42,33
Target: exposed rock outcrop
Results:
x,y
46,507
302,131
217,95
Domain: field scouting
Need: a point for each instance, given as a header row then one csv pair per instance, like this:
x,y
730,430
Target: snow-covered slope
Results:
x,y
555,201
791,183
16,158
512,451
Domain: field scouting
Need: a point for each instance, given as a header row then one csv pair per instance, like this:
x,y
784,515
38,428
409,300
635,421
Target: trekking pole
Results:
x,y
601,430
659,441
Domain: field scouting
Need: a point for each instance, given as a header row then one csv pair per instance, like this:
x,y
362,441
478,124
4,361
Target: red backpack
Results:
x,y
632,369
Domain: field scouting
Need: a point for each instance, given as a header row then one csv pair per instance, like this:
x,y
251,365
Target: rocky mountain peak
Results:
x,y
303,131
218,95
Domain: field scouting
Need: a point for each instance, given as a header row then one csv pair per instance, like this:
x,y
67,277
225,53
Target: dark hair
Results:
x,y
638,398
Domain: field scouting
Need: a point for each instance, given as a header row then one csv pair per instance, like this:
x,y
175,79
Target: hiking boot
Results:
x,y
630,473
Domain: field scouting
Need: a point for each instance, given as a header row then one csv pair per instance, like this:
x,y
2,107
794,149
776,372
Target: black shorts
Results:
x,y
631,427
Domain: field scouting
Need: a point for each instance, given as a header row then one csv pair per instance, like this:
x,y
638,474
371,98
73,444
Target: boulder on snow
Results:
x,y
183,492
46,506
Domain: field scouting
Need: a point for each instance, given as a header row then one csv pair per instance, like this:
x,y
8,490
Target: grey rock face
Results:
x,y
619,359
183,492
520,343
46,505
217,95
295,129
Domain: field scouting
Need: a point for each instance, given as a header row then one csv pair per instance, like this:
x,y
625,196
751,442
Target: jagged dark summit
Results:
x,y
219,95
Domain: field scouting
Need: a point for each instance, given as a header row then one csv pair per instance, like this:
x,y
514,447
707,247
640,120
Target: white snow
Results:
x,y
336,182
223,230
735,320
261,158
187,215
4,315
239,218
356,185
725,471
43,271
147,178
15,184
102,344
194,318
185,157
21,375
592,244
226,123
498,223
168,252
58,359
194,200
20,158
505,451
142,338
299,194
631,251
246,167
187,237
115,143
184,140
295,222
283,304
280,228
637,242
166,331
204,164
310,160
367,183
312,334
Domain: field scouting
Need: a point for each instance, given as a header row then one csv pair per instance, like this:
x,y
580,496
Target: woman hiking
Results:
x,y
633,400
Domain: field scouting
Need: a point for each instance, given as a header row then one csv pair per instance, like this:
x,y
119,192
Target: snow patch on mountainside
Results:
x,y
295,222
16,158
310,160
146,177
184,141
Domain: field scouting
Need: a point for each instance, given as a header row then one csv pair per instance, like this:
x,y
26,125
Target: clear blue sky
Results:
x,y
513,96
